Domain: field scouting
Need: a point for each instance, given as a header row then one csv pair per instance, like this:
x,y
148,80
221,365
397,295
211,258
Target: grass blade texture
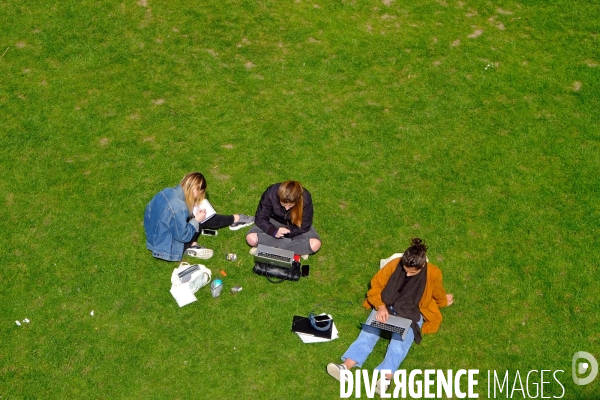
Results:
x,y
473,125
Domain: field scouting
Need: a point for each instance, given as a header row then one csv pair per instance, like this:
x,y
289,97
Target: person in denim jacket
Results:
x,y
172,228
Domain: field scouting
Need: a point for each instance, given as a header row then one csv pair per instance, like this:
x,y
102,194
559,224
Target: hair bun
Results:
x,y
417,243
414,256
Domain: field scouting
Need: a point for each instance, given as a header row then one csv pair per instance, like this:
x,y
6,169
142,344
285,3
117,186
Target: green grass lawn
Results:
x,y
474,125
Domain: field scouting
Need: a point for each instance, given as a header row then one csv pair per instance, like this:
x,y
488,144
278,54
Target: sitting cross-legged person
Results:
x,y
283,219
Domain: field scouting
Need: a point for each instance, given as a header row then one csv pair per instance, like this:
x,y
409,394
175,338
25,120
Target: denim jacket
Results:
x,y
166,226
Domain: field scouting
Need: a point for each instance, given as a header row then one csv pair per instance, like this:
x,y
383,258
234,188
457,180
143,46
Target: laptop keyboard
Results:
x,y
387,327
273,257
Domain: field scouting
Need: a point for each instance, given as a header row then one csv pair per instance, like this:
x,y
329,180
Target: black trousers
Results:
x,y
218,221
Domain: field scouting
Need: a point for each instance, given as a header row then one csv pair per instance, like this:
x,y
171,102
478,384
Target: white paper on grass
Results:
x,y
182,294
314,339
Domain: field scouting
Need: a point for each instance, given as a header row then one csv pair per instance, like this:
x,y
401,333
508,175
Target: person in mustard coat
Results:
x,y
409,287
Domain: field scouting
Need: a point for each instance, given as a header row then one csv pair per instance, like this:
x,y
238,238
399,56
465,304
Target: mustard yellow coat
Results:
x,y
434,295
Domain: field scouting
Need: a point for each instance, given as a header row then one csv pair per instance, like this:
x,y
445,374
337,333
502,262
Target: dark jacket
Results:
x,y
270,207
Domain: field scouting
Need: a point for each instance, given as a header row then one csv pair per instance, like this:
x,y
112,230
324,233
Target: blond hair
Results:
x,y
292,192
193,180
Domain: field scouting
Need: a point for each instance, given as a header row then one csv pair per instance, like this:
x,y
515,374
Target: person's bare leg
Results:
x,y
315,244
252,239
348,363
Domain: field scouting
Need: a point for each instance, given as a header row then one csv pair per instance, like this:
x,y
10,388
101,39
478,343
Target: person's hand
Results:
x,y
281,231
382,314
200,215
450,298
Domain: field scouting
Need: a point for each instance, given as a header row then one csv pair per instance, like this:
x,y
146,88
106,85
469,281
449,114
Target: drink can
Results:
x,y
230,257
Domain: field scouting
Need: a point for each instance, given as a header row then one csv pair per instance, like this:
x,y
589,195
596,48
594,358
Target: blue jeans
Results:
x,y
396,351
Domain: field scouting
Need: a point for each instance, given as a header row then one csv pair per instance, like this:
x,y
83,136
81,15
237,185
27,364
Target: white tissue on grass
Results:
x,y
92,313
18,323
26,320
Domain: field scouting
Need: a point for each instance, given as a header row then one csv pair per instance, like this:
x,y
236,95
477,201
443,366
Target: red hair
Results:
x,y
293,192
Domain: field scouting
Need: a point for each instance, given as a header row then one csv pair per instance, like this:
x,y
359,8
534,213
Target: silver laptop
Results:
x,y
274,256
394,324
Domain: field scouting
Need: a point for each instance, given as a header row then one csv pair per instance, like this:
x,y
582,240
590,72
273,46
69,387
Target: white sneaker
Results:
x,y
199,252
378,387
335,370
253,251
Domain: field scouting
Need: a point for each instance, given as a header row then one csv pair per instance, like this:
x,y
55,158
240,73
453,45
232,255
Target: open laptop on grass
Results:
x,y
394,324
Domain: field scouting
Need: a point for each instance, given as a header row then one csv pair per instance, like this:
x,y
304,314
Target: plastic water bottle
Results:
x,y
215,287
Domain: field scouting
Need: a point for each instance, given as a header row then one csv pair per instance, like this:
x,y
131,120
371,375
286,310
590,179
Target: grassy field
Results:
x,y
474,125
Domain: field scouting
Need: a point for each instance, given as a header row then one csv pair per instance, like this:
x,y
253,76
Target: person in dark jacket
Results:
x,y
284,219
